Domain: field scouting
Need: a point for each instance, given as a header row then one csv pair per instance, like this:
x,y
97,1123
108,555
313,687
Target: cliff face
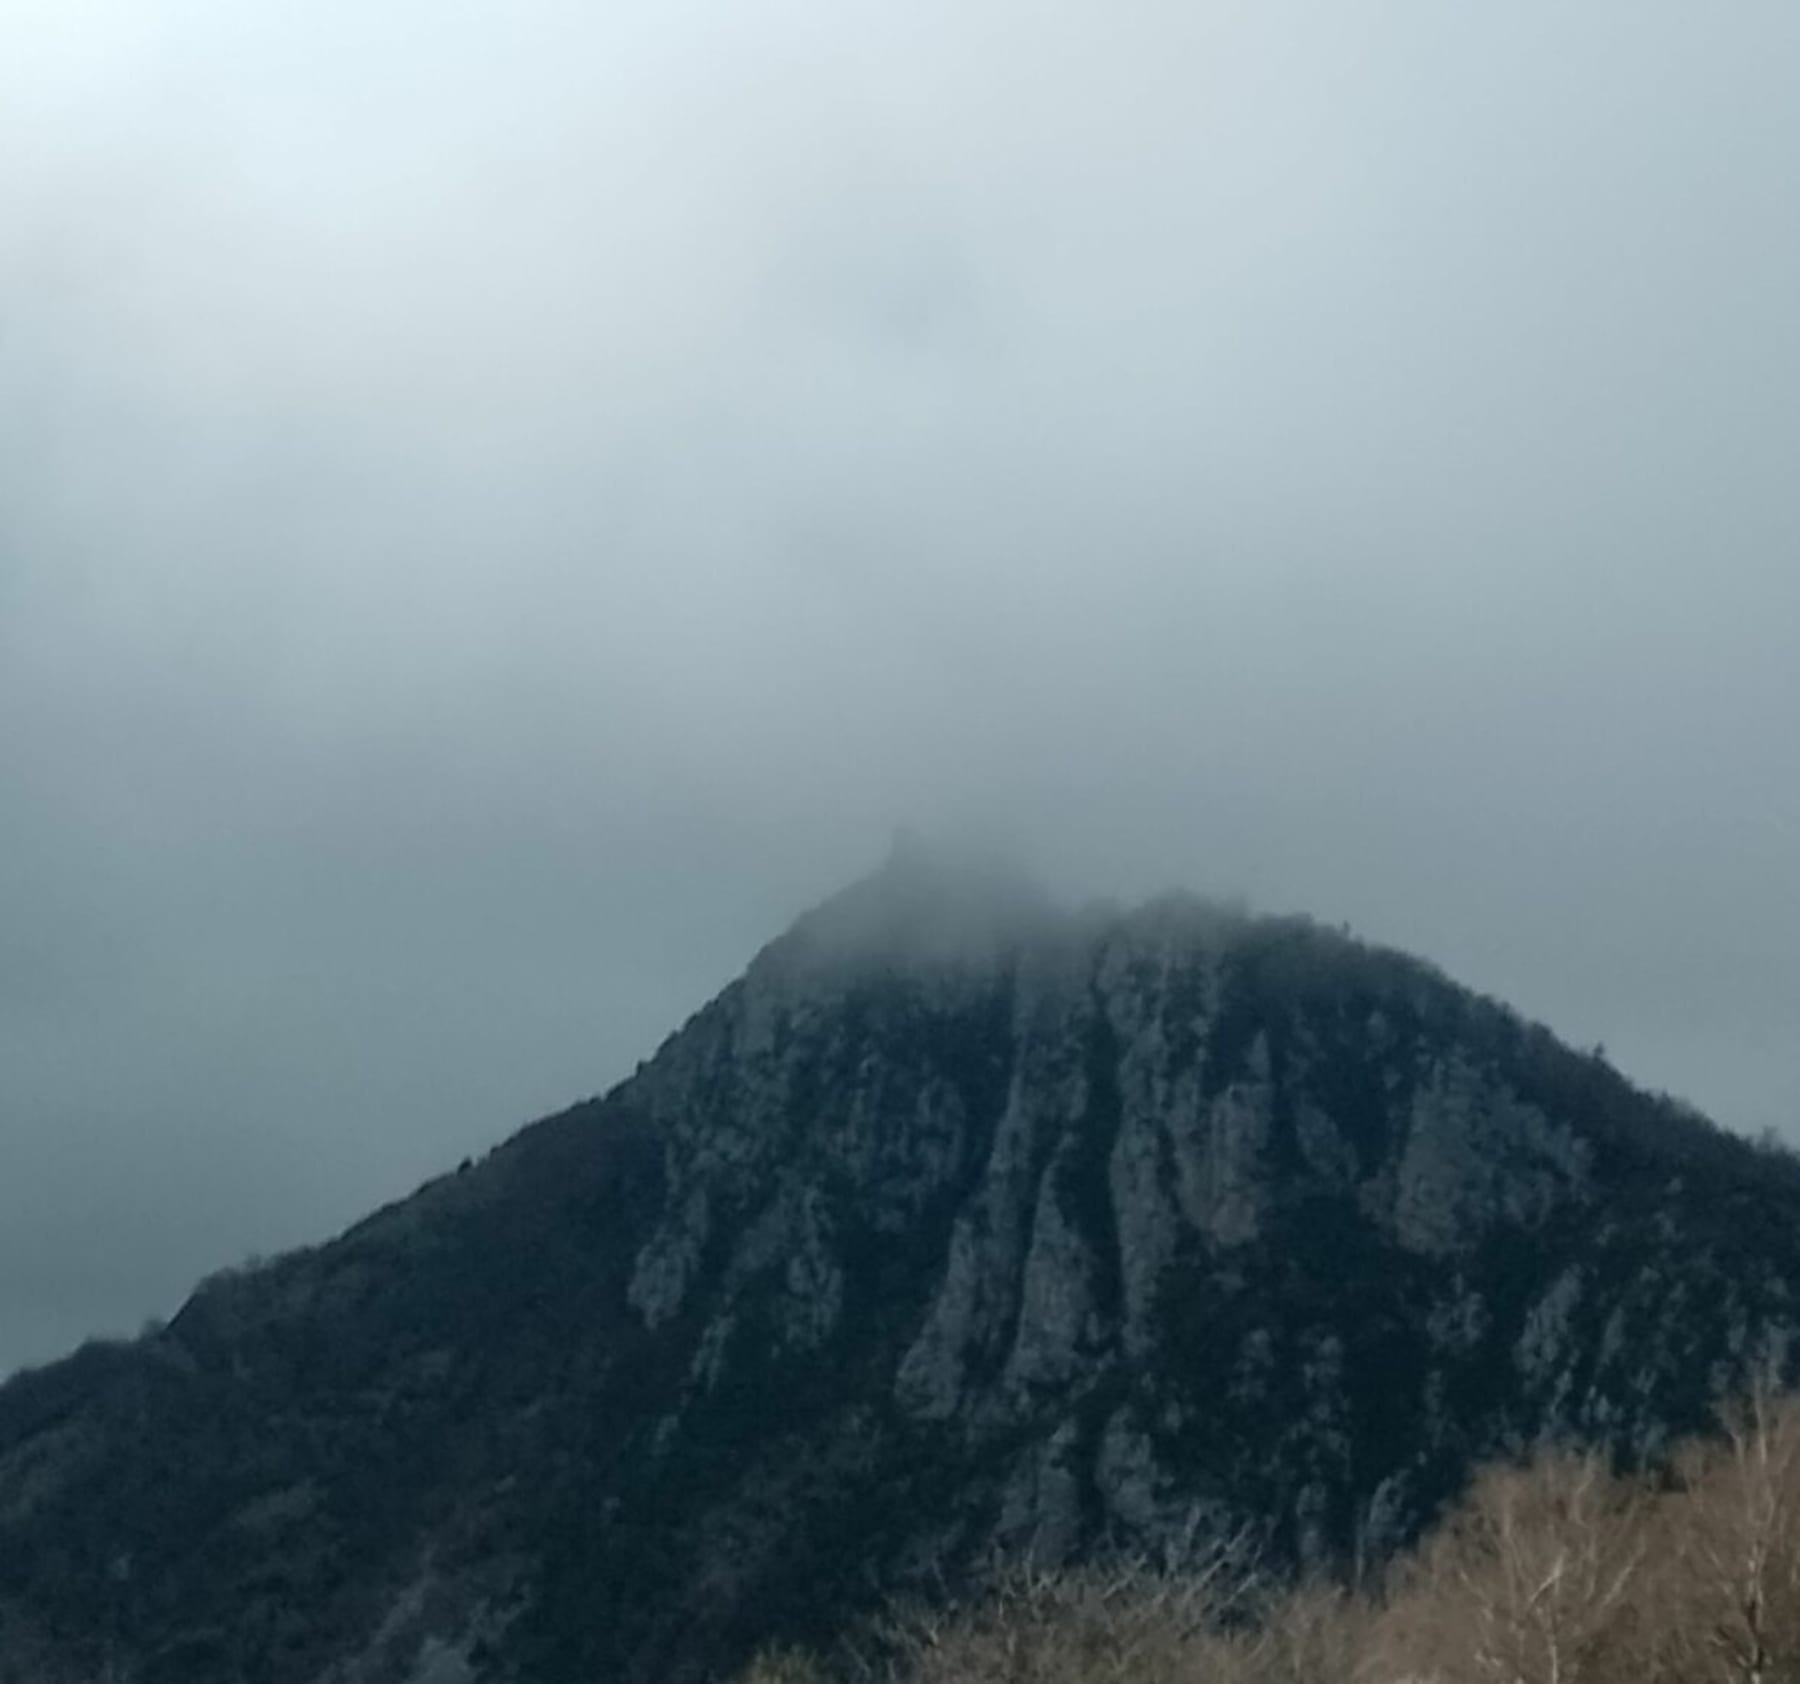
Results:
x,y
957,1223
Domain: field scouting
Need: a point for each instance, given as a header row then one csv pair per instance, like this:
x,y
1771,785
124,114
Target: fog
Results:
x,y
502,507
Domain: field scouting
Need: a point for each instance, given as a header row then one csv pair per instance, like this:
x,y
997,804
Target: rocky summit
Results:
x,y
959,1224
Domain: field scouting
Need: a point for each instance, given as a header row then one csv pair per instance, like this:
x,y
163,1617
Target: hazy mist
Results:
x,y
501,507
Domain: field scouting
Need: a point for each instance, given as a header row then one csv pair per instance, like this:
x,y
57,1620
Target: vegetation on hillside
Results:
x,y
1558,1570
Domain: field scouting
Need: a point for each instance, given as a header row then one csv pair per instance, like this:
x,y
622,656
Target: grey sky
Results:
x,y
502,505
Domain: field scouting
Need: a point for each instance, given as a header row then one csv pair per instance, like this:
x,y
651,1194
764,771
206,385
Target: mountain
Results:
x,y
958,1223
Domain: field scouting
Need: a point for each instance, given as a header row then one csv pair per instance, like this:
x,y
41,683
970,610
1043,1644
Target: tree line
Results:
x,y
1561,1569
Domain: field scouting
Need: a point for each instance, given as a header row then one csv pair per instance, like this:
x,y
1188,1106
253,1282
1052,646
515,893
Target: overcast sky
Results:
x,y
502,505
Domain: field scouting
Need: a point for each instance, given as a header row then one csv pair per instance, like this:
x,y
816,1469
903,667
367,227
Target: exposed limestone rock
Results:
x,y
1327,1153
668,1261
1056,1323
1476,1157
964,1316
1544,1339
1459,1321
1146,1218
1224,1183
1040,1514
1139,1493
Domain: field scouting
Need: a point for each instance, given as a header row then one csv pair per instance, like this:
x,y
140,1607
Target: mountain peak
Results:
x,y
925,904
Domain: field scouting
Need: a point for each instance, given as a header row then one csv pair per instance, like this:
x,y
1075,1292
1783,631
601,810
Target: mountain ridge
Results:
x,y
957,1223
